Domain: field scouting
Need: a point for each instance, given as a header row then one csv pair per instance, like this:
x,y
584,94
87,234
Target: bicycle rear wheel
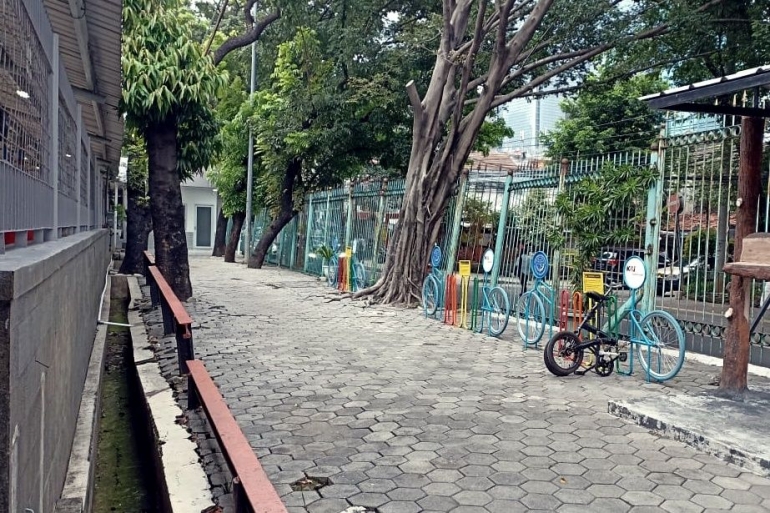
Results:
x,y
666,352
560,354
359,276
331,276
530,318
430,295
500,311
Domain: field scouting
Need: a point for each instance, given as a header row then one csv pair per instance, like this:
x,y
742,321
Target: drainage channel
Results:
x,y
124,470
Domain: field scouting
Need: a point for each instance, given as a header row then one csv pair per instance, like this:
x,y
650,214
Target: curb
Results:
x,y
732,453
185,481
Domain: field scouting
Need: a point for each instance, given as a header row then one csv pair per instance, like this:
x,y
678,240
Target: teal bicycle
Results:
x,y
433,285
495,305
531,306
658,338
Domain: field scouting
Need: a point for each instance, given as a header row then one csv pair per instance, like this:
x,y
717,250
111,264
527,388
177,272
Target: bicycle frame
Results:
x,y
635,316
547,298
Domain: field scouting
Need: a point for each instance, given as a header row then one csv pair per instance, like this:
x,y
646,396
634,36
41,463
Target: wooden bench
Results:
x,y
754,259
176,320
252,490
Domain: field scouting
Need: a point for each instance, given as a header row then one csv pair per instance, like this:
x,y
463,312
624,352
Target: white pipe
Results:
x,y
115,220
101,302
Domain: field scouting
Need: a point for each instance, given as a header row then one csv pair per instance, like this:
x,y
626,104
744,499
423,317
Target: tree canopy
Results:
x,y
167,77
604,118
707,39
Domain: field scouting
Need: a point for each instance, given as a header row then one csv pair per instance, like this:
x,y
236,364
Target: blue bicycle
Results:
x,y
495,305
658,338
531,306
433,286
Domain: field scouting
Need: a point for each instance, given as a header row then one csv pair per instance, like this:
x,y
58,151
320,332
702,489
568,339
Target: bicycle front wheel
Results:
x,y
500,310
663,353
530,317
331,276
430,295
359,276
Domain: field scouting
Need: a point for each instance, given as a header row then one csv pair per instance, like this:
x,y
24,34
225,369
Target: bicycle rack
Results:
x,y
450,301
475,305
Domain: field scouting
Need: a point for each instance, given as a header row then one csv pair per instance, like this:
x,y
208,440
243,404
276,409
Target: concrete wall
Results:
x,y
49,299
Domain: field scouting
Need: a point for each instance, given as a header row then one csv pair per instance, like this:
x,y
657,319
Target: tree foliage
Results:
x,y
605,118
167,78
487,53
722,38
535,219
604,210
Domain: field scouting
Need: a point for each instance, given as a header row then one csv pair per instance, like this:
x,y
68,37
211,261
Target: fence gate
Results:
x,y
699,182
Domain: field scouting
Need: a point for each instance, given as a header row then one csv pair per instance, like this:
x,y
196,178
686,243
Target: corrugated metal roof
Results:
x,y
104,22
723,85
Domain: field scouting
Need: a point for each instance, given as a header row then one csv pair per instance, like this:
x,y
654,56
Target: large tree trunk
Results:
x,y
167,209
235,236
220,237
139,226
737,342
285,215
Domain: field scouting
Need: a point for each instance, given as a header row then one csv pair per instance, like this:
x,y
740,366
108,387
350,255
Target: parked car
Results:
x,y
611,260
672,277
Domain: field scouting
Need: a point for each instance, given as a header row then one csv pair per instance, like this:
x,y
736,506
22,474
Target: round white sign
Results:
x,y
634,273
488,261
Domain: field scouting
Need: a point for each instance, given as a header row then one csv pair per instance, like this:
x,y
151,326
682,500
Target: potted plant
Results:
x,y
326,253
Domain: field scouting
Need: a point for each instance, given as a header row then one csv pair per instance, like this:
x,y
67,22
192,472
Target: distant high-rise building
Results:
x,y
529,119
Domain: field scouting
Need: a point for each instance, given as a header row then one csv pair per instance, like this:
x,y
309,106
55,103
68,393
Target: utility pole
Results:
x,y
250,171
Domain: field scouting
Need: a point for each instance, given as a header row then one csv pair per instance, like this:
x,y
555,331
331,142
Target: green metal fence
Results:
x,y
682,223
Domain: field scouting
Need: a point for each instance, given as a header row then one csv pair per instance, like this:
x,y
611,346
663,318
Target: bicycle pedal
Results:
x,y
623,356
580,372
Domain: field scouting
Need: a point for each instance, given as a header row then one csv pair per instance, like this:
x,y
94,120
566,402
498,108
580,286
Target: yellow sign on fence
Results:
x,y
593,282
465,267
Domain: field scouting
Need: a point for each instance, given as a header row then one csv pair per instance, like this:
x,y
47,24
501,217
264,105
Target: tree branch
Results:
x,y
545,77
470,59
249,37
526,32
414,99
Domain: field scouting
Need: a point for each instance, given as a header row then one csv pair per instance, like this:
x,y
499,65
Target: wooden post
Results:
x,y
737,341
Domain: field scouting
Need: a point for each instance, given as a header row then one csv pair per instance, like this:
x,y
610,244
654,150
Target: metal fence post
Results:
x,y
454,239
54,131
326,216
501,224
556,265
349,220
653,217
184,347
308,227
168,317
294,241
193,402
378,227
79,162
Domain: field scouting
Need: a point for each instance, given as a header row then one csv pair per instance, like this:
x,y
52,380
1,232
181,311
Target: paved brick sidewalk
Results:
x,y
404,414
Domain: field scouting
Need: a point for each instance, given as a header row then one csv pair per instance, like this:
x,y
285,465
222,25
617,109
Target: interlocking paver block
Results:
x,y
368,395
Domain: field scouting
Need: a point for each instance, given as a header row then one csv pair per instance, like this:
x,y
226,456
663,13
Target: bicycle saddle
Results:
x,y
596,296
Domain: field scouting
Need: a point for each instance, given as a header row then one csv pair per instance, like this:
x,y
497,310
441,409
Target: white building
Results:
x,y
529,119
201,206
